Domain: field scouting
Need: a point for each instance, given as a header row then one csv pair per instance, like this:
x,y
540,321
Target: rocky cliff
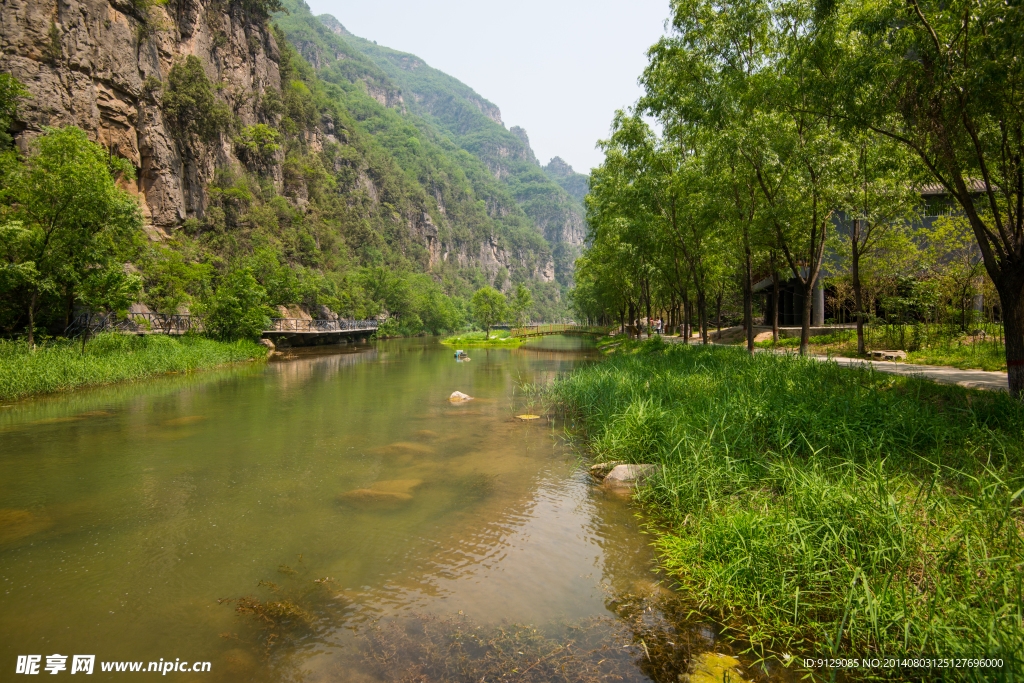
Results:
x,y
104,65
100,65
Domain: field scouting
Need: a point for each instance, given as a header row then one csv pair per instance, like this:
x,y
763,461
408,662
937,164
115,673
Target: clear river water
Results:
x,y
318,518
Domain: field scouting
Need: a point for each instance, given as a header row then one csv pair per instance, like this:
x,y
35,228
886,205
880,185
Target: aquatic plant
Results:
x,y
818,508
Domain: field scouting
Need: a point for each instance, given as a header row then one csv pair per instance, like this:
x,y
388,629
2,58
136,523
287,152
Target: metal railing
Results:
x,y
541,330
134,323
303,325
157,323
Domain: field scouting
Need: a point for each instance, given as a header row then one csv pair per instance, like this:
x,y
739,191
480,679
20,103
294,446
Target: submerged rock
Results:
x,y
712,667
182,421
370,499
458,396
403,447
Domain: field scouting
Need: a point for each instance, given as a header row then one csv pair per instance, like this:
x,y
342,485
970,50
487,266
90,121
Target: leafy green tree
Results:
x,y
238,309
65,216
489,307
108,288
519,303
944,79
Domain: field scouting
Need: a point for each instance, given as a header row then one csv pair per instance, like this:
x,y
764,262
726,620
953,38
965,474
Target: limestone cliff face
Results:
x,y
102,64
98,64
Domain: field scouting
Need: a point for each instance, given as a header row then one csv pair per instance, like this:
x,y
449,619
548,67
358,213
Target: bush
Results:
x,y
238,309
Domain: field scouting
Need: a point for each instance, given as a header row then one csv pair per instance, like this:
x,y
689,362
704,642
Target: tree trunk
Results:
x,y
748,297
1011,299
686,320
647,289
702,316
776,296
32,318
718,315
858,297
805,324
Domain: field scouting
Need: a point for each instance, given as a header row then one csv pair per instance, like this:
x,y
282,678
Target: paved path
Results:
x,y
971,379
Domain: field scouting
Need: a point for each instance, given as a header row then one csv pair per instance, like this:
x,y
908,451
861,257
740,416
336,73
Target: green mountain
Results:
x,y
456,113
341,182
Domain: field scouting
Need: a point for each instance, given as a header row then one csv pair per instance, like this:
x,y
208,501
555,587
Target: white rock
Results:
x,y
459,396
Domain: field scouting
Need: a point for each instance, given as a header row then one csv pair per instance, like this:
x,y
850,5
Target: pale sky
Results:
x,y
558,68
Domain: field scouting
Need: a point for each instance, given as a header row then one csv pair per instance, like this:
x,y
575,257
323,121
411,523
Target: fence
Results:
x,y
156,323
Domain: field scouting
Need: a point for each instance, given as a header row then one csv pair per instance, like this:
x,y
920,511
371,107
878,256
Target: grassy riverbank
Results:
x,y
60,366
821,509
498,338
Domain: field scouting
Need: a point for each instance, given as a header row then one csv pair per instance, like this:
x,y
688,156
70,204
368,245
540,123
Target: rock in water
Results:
x,y
458,397
268,344
629,475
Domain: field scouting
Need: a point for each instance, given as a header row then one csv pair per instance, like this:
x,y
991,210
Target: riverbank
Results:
x,y
820,509
109,358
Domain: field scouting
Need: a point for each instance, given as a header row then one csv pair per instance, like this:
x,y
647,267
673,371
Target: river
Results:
x,y
361,518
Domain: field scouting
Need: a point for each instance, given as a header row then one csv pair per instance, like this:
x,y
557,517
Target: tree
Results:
x,y
239,309
489,306
69,213
107,288
946,80
519,304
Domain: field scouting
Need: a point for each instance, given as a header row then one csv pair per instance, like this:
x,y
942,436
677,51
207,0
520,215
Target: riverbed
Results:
x,y
294,520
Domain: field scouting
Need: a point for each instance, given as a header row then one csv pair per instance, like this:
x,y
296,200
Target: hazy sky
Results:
x,y
558,68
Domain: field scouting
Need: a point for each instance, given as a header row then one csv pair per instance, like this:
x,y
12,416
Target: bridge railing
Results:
x,y
134,323
304,325
157,323
540,330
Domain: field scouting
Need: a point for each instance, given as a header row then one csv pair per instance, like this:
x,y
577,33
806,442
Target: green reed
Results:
x,y
821,508
108,358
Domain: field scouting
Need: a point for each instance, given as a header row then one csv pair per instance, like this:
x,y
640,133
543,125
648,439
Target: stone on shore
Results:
x,y
268,344
458,397
626,476
889,355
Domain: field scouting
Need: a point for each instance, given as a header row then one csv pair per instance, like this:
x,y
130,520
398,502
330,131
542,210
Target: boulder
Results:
x,y
458,397
268,344
628,475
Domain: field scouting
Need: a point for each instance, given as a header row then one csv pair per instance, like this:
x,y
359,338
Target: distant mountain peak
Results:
x,y
332,23
558,168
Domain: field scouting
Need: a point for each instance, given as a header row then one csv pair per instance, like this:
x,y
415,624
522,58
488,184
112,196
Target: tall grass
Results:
x,y
108,358
824,509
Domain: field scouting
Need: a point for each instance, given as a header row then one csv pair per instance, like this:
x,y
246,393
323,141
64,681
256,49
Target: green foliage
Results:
x,y
11,93
816,503
238,310
519,304
110,357
489,307
258,145
189,103
64,218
